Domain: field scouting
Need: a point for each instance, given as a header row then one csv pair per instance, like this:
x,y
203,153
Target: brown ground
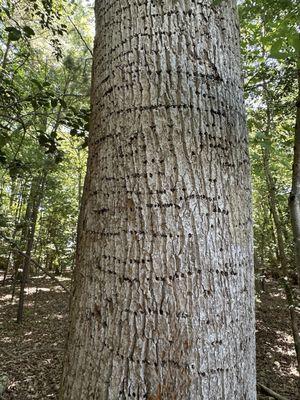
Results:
x,y
276,360
31,353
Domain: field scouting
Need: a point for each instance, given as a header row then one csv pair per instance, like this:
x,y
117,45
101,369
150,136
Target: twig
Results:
x,y
78,32
271,392
17,250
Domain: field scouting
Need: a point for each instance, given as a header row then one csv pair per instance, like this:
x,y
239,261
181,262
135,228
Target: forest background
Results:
x,y
45,67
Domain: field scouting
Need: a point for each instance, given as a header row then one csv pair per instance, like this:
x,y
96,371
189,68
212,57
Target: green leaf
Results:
x,y
2,157
15,168
63,103
37,83
73,132
3,139
14,34
275,49
295,42
43,139
29,32
54,102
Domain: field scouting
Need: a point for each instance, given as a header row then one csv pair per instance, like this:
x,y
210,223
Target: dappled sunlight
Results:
x,y
279,294
285,337
64,278
276,353
57,316
6,297
285,351
32,352
34,290
294,372
57,289
36,277
6,339
41,338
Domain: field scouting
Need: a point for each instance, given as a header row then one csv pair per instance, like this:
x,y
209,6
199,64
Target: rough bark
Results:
x,y
163,300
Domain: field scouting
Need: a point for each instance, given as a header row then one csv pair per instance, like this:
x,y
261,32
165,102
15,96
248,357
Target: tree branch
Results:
x,y
270,392
78,32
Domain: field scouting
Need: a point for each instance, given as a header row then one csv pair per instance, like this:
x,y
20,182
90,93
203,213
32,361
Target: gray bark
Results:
x,y
163,299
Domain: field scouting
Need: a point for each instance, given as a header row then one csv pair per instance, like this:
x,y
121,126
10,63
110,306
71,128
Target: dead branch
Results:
x,y
270,392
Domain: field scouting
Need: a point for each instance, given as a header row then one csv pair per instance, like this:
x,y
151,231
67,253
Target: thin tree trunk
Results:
x,y
79,187
19,261
163,301
294,200
280,238
282,258
5,56
17,217
13,187
37,193
274,212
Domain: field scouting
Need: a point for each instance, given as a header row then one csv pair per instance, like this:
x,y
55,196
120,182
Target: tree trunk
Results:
x,y
36,194
282,257
295,192
17,216
19,261
271,188
163,299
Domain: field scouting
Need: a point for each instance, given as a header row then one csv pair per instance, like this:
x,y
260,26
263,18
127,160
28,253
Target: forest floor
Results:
x,y
31,353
